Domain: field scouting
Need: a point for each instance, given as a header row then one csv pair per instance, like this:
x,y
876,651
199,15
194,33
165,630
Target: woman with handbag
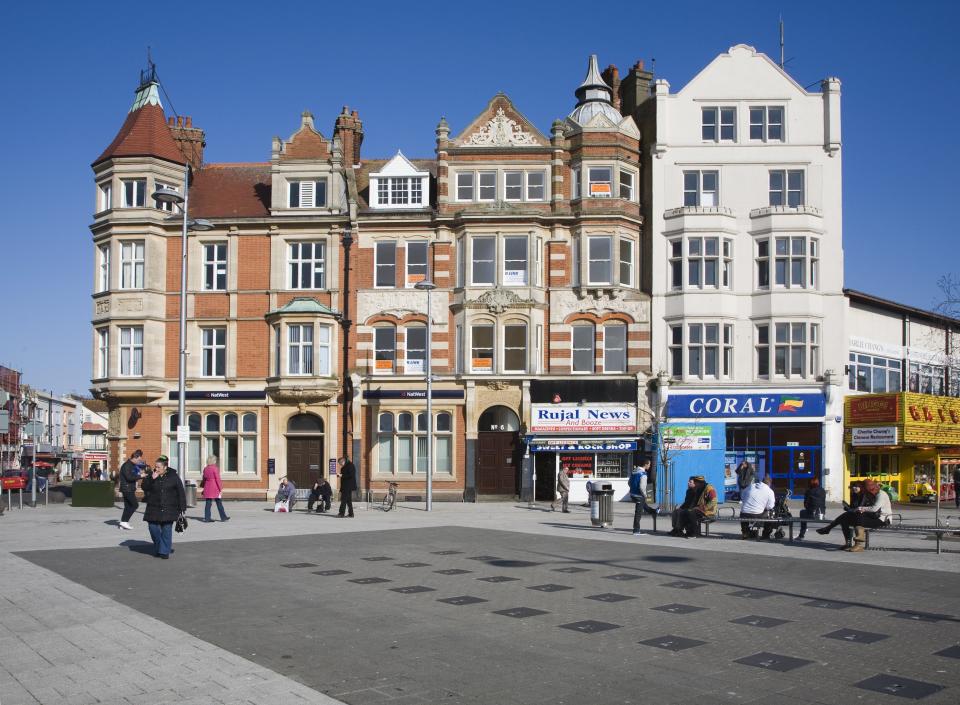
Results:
x,y
212,488
166,502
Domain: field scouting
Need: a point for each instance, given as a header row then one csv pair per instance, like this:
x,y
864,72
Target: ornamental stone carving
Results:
x,y
103,306
297,396
501,131
499,300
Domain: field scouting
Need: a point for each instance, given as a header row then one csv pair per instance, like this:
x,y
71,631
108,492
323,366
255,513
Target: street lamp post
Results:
x,y
428,286
167,195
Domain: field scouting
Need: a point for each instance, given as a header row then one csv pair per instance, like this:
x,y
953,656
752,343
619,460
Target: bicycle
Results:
x,y
391,497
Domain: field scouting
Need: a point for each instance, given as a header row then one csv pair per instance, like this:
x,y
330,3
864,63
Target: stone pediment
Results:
x,y
501,125
498,301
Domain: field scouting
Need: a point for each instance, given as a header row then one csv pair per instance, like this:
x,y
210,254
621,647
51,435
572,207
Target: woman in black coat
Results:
x,y
166,501
814,504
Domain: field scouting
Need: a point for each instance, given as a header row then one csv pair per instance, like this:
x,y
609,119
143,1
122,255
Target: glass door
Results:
x,y
792,467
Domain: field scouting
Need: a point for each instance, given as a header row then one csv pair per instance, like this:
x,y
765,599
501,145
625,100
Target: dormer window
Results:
x,y
308,194
399,185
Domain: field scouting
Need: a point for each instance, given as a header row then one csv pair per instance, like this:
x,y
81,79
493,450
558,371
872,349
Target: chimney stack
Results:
x,y
190,139
350,129
611,76
635,88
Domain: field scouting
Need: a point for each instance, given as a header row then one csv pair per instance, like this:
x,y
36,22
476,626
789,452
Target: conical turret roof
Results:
x,y
145,132
594,97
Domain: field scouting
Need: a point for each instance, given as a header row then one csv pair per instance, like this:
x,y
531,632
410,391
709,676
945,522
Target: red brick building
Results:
x,y
307,337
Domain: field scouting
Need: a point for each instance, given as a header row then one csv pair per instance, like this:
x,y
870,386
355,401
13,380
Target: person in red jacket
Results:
x,y
212,487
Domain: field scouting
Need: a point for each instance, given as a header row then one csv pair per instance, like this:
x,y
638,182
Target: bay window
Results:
x,y
515,266
599,264
103,353
134,193
627,179
484,261
131,351
103,267
600,182
795,265
707,350
626,262
105,196
795,349
300,349
707,260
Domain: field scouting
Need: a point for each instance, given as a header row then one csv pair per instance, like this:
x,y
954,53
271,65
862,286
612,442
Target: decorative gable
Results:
x,y
305,143
501,125
400,166
399,185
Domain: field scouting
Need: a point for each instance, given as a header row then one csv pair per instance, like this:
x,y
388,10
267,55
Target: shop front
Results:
x,y
906,441
710,433
587,430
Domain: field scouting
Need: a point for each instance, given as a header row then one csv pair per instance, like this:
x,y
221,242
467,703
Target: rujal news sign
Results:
x,y
587,418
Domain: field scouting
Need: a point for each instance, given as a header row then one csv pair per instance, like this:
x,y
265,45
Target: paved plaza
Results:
x,y
486,603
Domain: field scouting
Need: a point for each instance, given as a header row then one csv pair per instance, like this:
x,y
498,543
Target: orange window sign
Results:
x,y
384,364
482,363
600,189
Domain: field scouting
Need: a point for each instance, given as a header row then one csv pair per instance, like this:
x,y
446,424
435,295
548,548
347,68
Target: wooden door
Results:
x,y
498,463
304,460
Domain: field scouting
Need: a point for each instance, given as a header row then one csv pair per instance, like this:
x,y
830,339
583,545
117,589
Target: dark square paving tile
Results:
x,y
773,662
446,553
521,612
461,600
483,558
378,558
677,608
624,576
369,581
590,626
673,643
299,565
917,616
683,585
452,571
412,565
498,579
610,597
855,636
751,594
571,569
828,604
950,651
899,686
549,587
755,620
412,589
335,571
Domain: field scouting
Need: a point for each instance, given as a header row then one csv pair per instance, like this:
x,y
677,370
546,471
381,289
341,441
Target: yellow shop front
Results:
x,y
908,441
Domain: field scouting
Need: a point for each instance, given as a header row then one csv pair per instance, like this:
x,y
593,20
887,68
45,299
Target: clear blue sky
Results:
x,y
245,70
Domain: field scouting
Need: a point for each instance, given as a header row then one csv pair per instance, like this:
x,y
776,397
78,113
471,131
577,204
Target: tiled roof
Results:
x,y
231,191
304,304
144,134
88,426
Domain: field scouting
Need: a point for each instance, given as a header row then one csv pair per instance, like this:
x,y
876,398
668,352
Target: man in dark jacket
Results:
x,y
348,484
814,505
320,495
166,501
129,474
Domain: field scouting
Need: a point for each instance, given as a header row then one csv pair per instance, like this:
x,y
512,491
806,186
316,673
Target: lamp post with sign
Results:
x,y
168,195
428,286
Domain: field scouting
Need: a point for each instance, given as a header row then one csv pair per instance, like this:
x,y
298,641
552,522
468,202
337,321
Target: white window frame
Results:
x,y
766,125
486,192
383,267
384,357
628,184
507,186
322,343
530,187
130,352
474,261
484,367
512,277
134,193
791,190
103,267
300,351
798,252
799,346
591,260
722,122
104,196
277,348
415,364
701,188
612,347
412,278
166,206
575,184
466,192
408,428
879,375
629,262
307,197
525,347
213,347
103,352
311,267
587,330
132,261
214,266
689,255
595,186
701,341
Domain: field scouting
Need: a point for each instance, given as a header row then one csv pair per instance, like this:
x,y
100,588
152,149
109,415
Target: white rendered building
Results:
x,y
744,212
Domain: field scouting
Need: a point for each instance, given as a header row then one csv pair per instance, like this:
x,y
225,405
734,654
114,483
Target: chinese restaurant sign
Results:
x,y
929,419
874,408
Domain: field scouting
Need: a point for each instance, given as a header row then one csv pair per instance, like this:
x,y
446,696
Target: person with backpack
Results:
x,y
638,494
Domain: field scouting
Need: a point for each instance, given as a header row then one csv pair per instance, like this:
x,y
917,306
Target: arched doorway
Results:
x,y
498,452
304,449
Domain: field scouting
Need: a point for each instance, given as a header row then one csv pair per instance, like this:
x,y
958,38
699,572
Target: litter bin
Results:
x,y
601,504
190,487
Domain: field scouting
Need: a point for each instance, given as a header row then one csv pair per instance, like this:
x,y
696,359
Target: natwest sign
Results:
x,y
589,418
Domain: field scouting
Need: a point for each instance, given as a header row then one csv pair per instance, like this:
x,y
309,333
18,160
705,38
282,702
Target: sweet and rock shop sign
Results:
x,y
588,418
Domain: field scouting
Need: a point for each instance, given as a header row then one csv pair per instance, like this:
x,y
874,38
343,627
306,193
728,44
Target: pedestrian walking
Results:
x,y
320,494
129,475
212,487
348,484
166,501
638,494
814,505
563,492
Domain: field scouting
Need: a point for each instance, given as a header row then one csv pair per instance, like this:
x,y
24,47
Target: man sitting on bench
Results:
x,y
756,501
699,504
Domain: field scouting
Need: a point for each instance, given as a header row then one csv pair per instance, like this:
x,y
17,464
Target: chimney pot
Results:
x,y
170,121
189,121
639,65
355,114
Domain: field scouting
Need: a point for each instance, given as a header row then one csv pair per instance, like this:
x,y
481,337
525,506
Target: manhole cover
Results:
x,y
852,635
773,662
521,612
755,620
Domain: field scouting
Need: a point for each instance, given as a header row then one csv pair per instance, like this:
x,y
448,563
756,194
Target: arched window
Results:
x,y
230,423
193,421
385,443
249,423
305,423
212,424
402,450
498,418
